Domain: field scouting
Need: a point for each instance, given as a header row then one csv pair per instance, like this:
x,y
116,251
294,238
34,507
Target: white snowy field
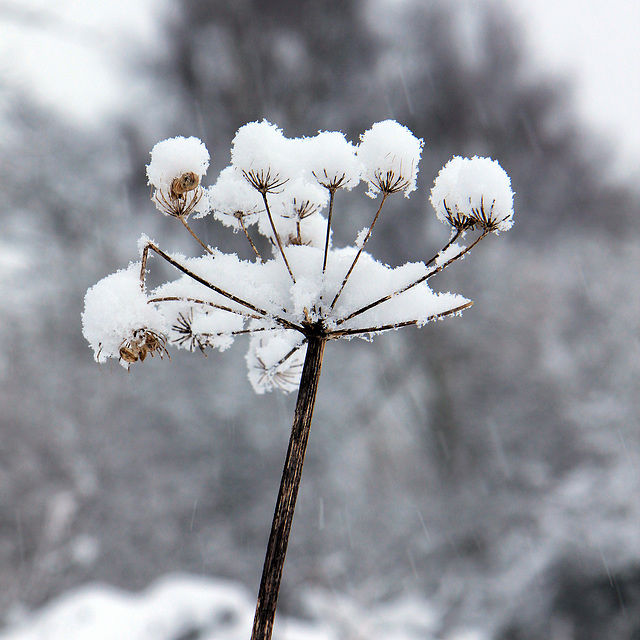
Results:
x,y
182,607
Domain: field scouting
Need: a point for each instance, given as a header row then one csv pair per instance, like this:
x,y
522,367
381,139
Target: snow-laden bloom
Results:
x,y
304,289
175,171
174,157
263,155
232,200
331,159
118,321
275,363
390,154
471,192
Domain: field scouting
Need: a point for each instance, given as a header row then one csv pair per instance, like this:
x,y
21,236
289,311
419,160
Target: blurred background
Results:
x,y
486,465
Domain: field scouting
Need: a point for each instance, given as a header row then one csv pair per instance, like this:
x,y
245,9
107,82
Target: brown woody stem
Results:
x,y
285,506
174,263
332,193
246,233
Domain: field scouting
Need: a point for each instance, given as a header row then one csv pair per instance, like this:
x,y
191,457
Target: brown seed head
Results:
x,y
186,182
142,343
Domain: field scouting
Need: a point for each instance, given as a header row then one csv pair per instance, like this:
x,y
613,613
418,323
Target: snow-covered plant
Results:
x,y
306,291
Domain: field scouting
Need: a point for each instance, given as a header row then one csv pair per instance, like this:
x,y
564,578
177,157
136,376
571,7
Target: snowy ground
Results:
x,y
183,607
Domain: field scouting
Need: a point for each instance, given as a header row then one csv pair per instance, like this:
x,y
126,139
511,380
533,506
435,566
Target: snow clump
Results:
x,y
331,159
117,312
473,191
390,154
174,157
263,155
176,170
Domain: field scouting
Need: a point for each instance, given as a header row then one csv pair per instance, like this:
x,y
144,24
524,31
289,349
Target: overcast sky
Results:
x,y
598,41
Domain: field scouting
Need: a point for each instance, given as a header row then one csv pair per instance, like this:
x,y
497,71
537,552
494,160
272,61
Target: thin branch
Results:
x,y
332,335
364,242
241,332
276,234
143,266
246,233
466,250
205,303
284,322
454,237
332,193
420,280
190,230
292,352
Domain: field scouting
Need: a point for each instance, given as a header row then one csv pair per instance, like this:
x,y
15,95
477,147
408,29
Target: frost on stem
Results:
x,y
286,190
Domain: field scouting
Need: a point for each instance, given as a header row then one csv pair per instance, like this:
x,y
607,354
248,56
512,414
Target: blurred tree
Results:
x,y
296,63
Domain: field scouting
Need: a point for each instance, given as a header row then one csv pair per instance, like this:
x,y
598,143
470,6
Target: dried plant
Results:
x,y
308,292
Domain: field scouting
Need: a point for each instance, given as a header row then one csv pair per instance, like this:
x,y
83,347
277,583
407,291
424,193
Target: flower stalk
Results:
x,y
288,493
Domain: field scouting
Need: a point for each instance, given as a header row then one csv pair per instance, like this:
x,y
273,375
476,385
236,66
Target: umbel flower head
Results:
x,y
286,190
175,171
472,193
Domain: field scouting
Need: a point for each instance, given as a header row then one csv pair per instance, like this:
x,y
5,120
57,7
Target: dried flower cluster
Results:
x,y
285,189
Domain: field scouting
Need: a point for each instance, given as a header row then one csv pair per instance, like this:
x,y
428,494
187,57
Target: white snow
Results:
x,y
210,609
449,253
260,149
114,309
231,198
275,362
331,159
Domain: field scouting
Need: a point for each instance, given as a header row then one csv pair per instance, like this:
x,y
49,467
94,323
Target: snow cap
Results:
x,y
473,191
175,157
262,153
390,154
331,159
115,309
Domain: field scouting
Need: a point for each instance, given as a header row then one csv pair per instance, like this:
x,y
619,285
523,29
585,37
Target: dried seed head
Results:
x,y
473,192
141,343
128,354
186,182
180,205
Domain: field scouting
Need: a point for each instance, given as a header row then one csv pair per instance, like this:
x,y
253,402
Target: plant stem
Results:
x,y
190,230
246,233
415,283
332,193
364,242
276,234
174,263
285,506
